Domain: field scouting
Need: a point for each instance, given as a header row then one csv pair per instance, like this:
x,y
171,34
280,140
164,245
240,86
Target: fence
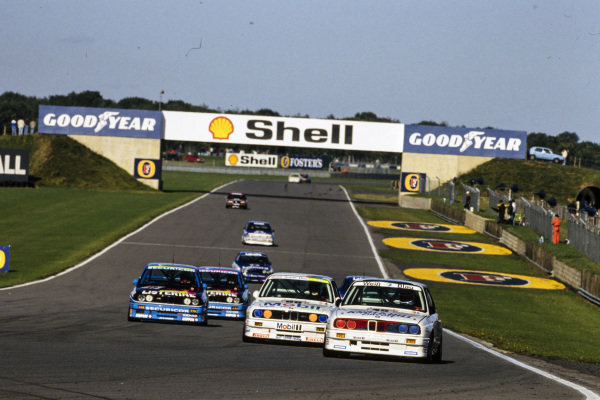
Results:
x,y
584,237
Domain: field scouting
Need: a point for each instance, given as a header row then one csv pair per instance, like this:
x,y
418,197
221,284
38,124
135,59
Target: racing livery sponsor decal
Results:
x,y
147,169
464,141
483,278
4,258
446,246
101,122
421,226
291,162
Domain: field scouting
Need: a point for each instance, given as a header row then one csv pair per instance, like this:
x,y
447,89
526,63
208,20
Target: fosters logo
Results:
x,y
147,169
221,128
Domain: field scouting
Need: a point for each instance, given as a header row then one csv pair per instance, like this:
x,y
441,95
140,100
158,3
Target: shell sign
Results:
x,y
221,128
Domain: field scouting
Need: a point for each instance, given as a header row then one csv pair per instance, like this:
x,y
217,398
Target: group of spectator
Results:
x,y
507,212
22,127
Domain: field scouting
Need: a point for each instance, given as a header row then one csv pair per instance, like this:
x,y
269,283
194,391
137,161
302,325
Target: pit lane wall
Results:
x,y
129,138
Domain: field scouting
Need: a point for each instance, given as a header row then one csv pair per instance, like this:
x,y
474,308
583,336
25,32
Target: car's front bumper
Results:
x,y
293,331
226,310
258,241
389,344
167,312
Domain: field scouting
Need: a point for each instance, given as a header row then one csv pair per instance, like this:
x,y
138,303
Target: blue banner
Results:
x,y
413,182
147,169
292,162
101,122
465,141
4,258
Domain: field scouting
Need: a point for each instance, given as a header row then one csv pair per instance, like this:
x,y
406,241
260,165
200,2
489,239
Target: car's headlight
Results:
x,y
187,301
229,299
195,302
149,297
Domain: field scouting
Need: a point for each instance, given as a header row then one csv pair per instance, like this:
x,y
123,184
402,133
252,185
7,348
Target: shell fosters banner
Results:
x,y
4,258
100,122
286,132
465,141
250,160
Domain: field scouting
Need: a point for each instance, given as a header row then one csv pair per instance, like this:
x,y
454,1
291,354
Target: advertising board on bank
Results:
x,y
465,141
100,122
251,160
282,131
293,162
14,165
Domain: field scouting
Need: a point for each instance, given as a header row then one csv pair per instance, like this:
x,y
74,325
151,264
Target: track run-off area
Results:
x,y
67,337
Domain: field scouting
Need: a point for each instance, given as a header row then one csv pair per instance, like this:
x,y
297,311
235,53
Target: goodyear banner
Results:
x,y
100,122
147,169
293,162
261,130
464,141
4,258
412,182
14,165
251,160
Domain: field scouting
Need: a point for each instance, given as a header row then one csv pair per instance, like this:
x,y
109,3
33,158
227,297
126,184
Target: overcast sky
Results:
x,y
508,64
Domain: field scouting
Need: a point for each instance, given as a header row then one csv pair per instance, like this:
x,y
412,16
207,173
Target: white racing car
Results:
x,y
291,307
385,317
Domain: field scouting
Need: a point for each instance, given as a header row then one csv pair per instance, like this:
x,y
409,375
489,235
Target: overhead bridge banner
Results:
x,y
286,132
100,122
465,141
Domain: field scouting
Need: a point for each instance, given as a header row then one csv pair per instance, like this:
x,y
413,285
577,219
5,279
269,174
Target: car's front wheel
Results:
x,y
532,157
556,161
434,353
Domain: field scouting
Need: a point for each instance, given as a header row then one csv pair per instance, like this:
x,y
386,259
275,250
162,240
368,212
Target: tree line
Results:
x,y
17,106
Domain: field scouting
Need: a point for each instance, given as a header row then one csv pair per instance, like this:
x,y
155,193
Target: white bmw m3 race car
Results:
x,y
291,307
385,317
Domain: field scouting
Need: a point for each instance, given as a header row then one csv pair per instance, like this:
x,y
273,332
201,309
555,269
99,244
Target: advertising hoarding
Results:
x,y
14,165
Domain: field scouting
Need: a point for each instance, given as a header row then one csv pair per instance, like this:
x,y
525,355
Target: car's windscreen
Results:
x,y
381,296
253,260
221,280
259,228
298,289
172,278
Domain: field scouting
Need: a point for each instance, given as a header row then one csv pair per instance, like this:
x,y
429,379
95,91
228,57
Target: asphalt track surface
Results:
x,y
69,338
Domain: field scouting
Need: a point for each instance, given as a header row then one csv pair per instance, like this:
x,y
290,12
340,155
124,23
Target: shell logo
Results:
x,y
221,128
233,159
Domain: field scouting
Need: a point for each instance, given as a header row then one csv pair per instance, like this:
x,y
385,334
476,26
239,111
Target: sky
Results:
x,y
509,64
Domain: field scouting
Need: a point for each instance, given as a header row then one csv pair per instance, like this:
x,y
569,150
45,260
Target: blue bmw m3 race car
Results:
x,y
226,290
255,265
169,292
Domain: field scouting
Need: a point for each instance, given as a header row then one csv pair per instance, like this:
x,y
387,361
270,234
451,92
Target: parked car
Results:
x,y
544,153
195,159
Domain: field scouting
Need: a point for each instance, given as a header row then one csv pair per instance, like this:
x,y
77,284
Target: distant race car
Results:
x,y
169,292
386,317
236,200
227,292
291,307
258,232
255,266
544,153
194,159
348,281
304,178
294,177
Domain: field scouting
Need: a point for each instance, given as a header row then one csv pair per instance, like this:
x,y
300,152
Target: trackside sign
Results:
x,y
100,122
280,131
465,141
14,165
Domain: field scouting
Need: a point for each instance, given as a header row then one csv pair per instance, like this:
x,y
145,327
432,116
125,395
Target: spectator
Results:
x,y
555,229
501,211
468,200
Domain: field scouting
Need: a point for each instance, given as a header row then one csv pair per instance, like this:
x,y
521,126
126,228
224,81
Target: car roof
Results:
x,y
252,253
236,194
218,269
396,281
258,222
170,266
299,276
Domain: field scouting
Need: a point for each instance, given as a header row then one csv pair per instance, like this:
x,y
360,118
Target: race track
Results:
x,y
69,338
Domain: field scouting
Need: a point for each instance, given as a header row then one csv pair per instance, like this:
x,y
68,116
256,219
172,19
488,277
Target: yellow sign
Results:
x,y
483,278
421,226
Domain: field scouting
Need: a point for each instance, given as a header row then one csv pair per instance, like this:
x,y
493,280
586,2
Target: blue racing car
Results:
x,y
227,292
255,265
169,292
